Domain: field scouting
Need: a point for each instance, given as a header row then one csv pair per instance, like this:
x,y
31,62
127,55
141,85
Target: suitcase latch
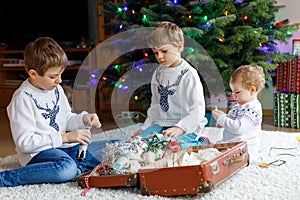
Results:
x,y
215,168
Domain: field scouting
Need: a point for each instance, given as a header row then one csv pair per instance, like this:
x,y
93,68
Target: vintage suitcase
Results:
x,y
196,179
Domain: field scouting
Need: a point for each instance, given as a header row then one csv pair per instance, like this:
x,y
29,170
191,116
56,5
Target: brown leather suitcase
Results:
x,y
196,179
182,180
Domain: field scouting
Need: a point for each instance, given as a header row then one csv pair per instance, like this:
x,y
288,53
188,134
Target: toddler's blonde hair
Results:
x,y
249,76
165,33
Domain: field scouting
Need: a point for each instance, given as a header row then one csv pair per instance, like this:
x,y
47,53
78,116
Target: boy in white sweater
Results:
x,y
243,122
46,133
177,105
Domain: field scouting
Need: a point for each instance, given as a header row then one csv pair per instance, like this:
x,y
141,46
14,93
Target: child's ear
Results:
x,y
32,74
180,46
253,90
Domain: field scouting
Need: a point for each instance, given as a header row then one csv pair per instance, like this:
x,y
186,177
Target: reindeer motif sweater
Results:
x,y
38,118
177,99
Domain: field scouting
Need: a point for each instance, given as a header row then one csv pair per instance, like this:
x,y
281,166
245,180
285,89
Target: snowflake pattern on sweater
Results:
x,y
247,112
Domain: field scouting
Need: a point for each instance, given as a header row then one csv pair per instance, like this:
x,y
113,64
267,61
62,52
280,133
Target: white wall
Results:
x,y
291,12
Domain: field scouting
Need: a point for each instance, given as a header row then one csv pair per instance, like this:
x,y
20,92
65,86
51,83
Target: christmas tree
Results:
x,y
233,32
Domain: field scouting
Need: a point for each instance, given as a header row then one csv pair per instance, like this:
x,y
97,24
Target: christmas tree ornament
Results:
x,y
150,157
81,154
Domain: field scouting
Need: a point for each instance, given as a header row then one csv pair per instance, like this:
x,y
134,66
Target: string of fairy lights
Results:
x,y
126,14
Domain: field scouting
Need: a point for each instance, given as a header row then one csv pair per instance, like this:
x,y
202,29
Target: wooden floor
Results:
x,y
7,146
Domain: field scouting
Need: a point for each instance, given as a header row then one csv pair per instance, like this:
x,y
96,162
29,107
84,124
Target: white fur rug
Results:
x,y
252,182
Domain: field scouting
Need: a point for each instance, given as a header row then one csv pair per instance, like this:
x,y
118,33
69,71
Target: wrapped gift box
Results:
x,y
287,110
288,76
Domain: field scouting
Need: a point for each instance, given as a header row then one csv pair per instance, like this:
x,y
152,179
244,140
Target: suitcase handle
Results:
x,y
238,159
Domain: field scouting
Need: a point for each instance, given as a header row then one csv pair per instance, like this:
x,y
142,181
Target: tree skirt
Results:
x,y
252,182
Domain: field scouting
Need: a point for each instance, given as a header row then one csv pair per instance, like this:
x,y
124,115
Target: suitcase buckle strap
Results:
x,y
237,157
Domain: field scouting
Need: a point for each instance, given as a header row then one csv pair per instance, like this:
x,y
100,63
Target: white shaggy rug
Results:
x,y
252,182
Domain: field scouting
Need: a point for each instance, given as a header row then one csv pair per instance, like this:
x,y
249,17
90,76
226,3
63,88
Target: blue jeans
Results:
x,y
55,166
186,140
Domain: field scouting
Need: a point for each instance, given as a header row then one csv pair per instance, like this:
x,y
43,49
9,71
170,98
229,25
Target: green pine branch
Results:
x,y
232,33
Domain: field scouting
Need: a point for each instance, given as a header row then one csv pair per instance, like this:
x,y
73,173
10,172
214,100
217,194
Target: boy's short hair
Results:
x,y
42,54
249,76
165,33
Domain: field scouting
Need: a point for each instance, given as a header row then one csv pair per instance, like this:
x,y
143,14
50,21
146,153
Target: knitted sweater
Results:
x,y
243,123
177,99
38,118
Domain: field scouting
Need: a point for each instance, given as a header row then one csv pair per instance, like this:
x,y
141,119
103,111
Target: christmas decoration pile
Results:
x,y
127,157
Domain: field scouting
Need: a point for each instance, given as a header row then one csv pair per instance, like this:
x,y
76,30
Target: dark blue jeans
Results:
x,y
55,166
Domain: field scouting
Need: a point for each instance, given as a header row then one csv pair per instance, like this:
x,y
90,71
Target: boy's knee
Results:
x,y
67,171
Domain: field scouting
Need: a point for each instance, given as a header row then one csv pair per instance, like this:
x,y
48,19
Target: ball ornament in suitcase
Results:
x,y
156,179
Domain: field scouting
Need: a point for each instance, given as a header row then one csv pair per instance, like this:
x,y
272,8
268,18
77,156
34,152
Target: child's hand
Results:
x,y
218,126
91,120
216,113
137,133
82,136
173,131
